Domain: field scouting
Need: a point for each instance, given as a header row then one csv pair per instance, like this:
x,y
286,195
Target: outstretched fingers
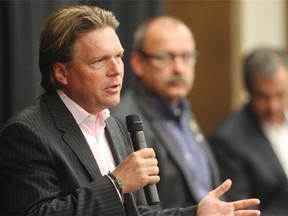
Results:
x,y
241,207
244,204
247,213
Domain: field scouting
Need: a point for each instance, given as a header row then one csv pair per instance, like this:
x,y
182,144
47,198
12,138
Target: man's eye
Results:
x,y
98,63
120,56
163,57
99,60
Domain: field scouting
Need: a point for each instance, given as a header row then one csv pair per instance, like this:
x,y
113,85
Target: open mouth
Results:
x,y
115,88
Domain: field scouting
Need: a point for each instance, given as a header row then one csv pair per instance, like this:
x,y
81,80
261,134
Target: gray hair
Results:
x,y
263,61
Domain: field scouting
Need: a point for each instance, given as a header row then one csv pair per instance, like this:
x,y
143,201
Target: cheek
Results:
x,y
280,106
260,109
286,103
153,78
72,79
259,106
189,81
86,82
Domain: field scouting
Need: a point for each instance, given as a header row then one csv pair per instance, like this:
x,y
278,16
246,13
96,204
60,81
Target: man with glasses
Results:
x,y
164,60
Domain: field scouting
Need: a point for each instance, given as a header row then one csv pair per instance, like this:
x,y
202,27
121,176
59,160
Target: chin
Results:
x,y
178,96
113,104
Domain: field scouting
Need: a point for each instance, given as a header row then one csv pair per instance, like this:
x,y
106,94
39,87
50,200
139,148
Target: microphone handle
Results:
x,y
151,193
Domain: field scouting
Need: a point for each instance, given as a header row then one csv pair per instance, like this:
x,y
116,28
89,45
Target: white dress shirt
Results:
x,y
93,129
277,134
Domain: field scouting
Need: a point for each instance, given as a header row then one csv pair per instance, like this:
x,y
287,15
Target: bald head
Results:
x,y
159,25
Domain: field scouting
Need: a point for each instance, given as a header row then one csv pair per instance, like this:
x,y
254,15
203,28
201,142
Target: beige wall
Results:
x,y
263,23
224,30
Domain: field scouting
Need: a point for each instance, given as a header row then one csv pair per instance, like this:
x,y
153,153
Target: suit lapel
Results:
x,y
165,138
72,135
120,150
263,145
261,142
168,141
197,133
75,139
115,138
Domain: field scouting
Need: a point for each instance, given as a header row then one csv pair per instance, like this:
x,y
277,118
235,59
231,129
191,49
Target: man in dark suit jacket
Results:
x,y
164,62
251,145
65,155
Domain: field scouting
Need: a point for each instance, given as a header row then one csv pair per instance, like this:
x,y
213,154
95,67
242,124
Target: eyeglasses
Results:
x,y
167,58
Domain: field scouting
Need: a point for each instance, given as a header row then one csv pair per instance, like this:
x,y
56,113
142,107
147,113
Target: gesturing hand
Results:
x,y
210,205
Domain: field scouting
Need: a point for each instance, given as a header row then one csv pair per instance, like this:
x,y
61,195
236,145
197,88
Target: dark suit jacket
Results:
x,y
245,155
176,186
47,167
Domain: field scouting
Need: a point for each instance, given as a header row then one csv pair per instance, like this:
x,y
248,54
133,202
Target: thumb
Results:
x,y
222,189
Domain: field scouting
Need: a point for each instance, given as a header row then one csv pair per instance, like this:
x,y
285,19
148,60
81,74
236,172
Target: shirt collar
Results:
x,y
78,112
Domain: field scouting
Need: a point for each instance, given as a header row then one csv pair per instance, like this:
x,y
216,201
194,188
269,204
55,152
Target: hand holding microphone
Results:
x,y
135,129
139,169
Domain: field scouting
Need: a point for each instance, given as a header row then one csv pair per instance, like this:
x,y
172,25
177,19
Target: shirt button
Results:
x,y
188,156
199,137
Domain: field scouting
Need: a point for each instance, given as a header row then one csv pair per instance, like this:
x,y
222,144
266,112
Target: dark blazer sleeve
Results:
x,y
30,182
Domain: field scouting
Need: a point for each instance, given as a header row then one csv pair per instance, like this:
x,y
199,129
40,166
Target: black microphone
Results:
x,y
135,129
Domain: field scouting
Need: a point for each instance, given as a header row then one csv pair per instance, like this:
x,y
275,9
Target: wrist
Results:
x,y
117,182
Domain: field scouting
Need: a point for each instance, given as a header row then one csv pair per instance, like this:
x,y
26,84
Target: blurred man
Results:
x,y
164,60
252,144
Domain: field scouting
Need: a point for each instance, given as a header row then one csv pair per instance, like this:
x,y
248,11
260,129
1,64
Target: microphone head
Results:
x,y
134,123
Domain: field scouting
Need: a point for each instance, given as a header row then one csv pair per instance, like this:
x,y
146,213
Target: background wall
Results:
x,y
263,22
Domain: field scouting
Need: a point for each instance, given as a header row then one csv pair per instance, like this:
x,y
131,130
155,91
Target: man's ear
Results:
x,y
60,73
